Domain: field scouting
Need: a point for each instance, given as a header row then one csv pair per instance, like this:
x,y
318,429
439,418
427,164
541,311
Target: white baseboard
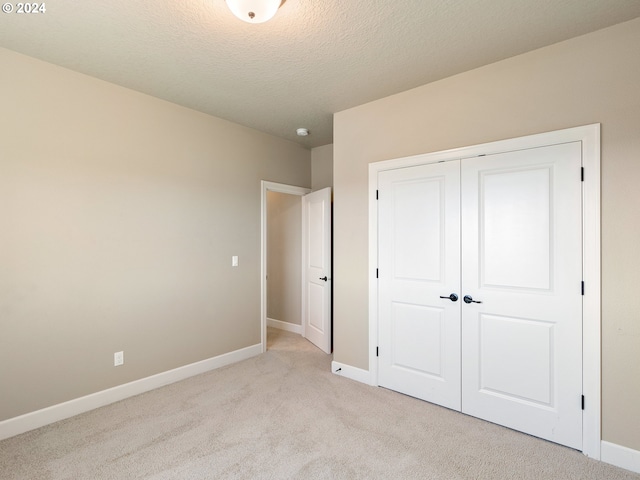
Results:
x,y
620,456
354,373
55,413
289,327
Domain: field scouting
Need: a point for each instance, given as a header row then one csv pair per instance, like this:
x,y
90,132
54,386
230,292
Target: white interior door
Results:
x,y
419,268
522,258
515,345
316,241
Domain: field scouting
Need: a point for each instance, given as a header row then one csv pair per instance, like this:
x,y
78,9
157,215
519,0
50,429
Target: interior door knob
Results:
x,y
324,278
469,299
453,297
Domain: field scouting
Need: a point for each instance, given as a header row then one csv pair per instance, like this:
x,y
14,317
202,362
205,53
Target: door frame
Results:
x,y
265,187
589,135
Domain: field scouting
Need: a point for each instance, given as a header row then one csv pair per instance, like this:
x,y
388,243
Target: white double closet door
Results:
x,y
504,230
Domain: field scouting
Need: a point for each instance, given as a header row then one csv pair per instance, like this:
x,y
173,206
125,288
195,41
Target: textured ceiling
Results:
x,y
316,57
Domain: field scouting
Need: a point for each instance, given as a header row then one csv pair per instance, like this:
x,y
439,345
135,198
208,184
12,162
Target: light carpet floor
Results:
x,y
283,414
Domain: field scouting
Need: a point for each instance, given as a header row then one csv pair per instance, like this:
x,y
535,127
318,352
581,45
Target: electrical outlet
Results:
x,y
234,261
118,359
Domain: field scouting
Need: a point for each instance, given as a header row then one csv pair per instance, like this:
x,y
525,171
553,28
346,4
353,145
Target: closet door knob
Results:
x,y
453,297
469,299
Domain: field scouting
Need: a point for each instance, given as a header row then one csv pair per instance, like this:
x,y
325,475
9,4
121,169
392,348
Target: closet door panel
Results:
x,y
419,262
522,259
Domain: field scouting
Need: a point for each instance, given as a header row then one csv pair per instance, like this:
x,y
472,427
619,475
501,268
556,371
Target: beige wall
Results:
x,y
284,257
119,215
590,79
322,167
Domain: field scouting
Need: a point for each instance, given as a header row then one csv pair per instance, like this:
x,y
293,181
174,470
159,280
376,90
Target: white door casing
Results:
x,y
419,245
316,247
588,138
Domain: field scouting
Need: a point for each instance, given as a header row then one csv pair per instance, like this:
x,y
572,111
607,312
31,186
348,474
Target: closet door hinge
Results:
x,y
377,273
377,351
582,402
583,287
582,174
377,194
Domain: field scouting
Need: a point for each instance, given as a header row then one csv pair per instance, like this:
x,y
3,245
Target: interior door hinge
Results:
x,y
582,402
377,351
582,174
376,194
377,273
583,287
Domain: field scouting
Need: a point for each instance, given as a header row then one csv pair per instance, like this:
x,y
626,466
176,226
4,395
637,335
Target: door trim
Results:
x,y
589,136
265,187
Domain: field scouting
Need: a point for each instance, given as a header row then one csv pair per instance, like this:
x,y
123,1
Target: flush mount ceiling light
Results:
x,y
254,11
302,132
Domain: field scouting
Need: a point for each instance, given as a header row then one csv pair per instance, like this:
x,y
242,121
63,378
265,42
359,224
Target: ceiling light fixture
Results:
x,y
302,132
254,11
